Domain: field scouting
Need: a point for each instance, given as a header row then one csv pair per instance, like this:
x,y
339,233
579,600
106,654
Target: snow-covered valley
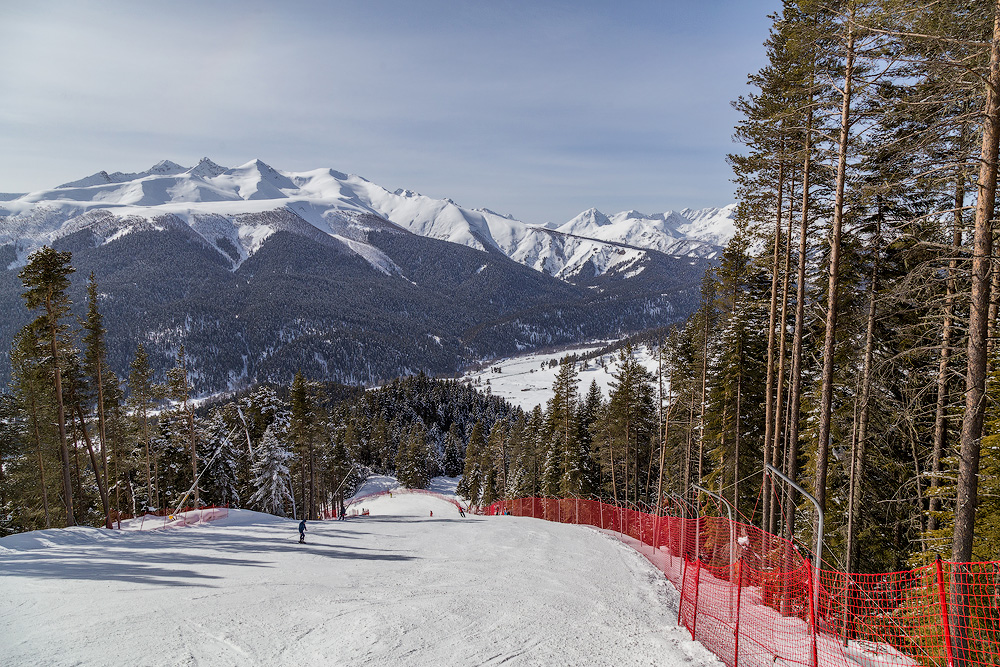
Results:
x,y
526,380
396,587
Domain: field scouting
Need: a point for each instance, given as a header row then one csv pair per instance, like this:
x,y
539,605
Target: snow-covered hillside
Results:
x,y
398,587
526,380
336,203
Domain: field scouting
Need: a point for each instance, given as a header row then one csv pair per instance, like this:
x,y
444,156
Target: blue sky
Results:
x,y
537,109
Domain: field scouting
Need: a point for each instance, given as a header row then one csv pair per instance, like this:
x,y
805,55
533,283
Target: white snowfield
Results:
x,y
527,380
397,587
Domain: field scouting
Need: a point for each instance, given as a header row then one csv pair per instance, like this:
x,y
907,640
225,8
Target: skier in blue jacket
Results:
x,y
302,531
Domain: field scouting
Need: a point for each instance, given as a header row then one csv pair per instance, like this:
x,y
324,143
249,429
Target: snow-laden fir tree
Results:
x,y
470,486
568,464
271,476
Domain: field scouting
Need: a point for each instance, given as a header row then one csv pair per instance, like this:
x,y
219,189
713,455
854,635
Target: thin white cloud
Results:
x,y
540,109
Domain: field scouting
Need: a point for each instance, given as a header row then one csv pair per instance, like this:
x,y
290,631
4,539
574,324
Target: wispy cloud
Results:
x,y
541,109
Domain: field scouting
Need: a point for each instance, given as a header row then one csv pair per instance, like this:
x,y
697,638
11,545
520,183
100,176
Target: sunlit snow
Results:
x,y
396,587
526,380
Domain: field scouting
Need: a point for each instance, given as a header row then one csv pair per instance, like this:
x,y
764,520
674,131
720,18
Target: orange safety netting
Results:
x,y
750,596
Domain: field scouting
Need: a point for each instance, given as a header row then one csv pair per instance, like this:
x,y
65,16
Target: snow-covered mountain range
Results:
x,y
214,200
261,273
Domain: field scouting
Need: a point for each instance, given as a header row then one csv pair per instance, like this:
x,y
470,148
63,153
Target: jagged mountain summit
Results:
x,y
261,272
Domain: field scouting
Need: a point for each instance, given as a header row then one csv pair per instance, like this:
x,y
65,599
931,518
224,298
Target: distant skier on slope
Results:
x,y
302,531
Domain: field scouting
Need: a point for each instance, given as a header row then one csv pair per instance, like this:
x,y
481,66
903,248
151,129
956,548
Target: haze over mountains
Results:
x,y
340,277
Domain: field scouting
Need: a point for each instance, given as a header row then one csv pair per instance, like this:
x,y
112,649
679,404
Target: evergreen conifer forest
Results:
x,y
847,336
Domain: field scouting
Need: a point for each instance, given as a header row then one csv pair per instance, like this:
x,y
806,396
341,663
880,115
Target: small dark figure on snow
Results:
x,y
302,531
461,512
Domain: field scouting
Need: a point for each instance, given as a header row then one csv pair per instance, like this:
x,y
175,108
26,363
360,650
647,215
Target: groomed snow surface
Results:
x,y
396,587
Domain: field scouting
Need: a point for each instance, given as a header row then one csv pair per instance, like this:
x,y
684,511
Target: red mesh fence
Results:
x,y
167,518
750,596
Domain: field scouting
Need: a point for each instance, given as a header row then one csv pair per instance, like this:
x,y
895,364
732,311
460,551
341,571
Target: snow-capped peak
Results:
x,y
585,223
206,169
508,216
165,168
256,180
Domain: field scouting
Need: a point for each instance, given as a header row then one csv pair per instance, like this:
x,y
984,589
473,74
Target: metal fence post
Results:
x,y
732,540
697,587
819,533
680,604
944,611
812,620
739,591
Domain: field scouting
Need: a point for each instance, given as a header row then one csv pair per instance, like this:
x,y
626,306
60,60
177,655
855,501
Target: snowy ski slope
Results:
x,y
397,587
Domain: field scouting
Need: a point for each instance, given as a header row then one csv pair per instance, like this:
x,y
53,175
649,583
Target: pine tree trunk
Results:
x,y
941,409
858,454
778,430
101,487
736,454
689,445
76,463
150,499
614,480
63,442
104,457
704,386
659,425
795,398
312,481
829,341
769,410
975,382
41,466
663,440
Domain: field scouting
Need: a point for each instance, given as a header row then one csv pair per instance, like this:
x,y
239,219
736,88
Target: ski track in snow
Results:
x,y
398,587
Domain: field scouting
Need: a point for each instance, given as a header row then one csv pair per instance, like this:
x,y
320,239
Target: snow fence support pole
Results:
x,y
697,578
818,556
944,611
732,541
812,622
680,603
736,633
